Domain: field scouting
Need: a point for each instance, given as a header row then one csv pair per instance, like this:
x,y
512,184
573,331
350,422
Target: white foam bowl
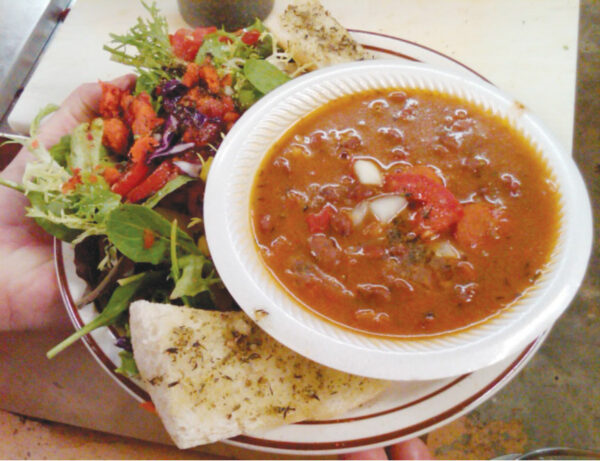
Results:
x,y
231,241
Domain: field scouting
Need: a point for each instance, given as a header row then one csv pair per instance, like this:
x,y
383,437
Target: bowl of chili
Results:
x,y
397,221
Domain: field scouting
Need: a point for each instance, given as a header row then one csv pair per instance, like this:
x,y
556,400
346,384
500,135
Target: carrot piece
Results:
x,y
478,224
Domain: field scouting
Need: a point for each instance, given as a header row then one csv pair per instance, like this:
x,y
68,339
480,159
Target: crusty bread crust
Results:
x,y
214,375
314,39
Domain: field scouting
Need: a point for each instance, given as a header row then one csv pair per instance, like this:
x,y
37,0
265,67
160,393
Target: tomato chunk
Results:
x,y
251,36
187,42
319,222
439,210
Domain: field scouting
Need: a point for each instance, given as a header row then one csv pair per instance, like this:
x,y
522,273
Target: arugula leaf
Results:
x,y
169,187
247,95
220,51
197,275
263,75
125,228
95,200
117,304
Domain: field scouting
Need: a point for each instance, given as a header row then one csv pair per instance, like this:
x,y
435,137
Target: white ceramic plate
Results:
x,y
406,410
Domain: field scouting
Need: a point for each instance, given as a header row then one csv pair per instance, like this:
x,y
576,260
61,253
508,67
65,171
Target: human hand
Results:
x,y
29,295
409,449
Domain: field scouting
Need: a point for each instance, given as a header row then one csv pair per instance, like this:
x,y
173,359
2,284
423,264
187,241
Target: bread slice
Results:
x,y
314,38
214,375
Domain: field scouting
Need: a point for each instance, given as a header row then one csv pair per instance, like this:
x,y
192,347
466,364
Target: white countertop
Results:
x,y
527,48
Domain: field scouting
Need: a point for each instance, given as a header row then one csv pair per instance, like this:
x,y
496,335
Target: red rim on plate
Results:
x,y
387,46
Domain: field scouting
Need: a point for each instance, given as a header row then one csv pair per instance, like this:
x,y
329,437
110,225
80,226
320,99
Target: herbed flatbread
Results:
x,y
314,38
214,375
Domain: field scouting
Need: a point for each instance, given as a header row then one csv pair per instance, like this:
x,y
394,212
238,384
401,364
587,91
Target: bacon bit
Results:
x,y
192,75
35,144
140,115
110,101
148,406
208,73
230,117
141,147
115,135
148,239
93,179
71,184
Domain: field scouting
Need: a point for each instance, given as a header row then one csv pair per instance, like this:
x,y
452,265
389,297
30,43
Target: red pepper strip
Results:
x,y
153,183
319,222
251,37
133,176
439,208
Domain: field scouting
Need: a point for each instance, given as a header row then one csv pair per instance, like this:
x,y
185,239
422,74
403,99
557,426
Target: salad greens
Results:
x,y
143,251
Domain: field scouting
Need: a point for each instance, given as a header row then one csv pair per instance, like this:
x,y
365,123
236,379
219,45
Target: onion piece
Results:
x,y
386,207
444,249
368,173
359,212
191,169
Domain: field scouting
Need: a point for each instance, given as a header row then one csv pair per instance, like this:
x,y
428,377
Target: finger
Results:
x,y
410,449
374,453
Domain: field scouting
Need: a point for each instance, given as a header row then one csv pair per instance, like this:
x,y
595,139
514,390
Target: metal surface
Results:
x,y
25,28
